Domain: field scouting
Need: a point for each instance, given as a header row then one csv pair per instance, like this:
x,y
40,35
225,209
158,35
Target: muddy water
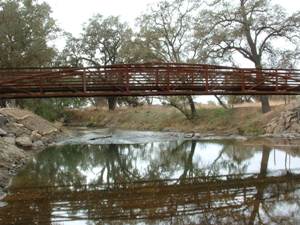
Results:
x,y
101,177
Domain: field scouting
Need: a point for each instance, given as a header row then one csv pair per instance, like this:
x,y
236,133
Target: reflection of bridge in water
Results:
x,y
146,79
235,199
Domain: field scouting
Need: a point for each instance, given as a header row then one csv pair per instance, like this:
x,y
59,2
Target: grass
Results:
x,y
244,121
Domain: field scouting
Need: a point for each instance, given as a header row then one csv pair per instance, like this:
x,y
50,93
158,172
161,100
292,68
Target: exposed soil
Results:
x,y
22,134
241,120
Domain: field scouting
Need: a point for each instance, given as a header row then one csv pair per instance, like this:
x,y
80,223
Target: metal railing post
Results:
x,y
276,82
242,72
40,84
127,79
168,78
84,81
206,79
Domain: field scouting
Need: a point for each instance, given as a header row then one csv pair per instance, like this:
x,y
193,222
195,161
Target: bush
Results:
x,y
52,109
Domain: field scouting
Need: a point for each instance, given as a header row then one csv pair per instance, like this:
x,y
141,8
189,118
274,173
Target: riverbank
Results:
x,y
22,134
214,120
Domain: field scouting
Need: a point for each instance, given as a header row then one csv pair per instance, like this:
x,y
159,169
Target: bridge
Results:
x,y
153,79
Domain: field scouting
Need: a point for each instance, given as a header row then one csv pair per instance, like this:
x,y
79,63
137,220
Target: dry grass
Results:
x,y
246,120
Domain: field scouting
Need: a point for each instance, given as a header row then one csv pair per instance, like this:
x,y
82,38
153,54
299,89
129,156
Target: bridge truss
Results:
x,y
146,80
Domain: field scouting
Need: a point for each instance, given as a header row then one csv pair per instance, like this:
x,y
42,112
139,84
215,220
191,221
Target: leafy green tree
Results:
x,y
26,27
72,54
138,50
101,43
103,40
251,28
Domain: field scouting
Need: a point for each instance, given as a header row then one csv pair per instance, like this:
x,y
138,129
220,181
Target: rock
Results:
x,y
38,144
100,137
189,135
166,129
15,129
286,123
44,139
24,141
2,133
35,136
19,125
3,120
11,135
10,140
238,137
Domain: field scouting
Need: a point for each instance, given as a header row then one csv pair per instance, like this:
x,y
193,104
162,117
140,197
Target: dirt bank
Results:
x,y
245,120
22,134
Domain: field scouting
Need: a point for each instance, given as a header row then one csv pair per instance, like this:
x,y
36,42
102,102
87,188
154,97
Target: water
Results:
x,y
164,181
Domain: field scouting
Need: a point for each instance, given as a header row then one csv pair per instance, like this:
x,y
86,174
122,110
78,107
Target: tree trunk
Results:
x,y
112,103
265,105
264,99
221,102
192,106
256,56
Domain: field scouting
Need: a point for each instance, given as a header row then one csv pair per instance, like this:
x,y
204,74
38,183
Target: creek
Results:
x,y
122,177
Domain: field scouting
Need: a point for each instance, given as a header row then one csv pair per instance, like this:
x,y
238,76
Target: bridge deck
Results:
x,y
145,80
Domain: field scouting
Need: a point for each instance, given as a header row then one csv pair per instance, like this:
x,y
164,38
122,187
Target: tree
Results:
x,y
252,28
75,54
101,43
138,50
72,53
167,30
103,40
26,27
221,101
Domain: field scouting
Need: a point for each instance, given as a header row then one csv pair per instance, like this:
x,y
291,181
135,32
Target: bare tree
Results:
x,y
252,28
167,28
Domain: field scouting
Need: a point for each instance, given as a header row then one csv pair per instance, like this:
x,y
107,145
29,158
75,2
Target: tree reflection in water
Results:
x,y
155,183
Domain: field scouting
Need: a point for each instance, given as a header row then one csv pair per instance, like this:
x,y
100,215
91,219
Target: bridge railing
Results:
x,y
146,79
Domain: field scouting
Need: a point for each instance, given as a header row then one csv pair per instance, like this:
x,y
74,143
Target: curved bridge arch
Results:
x,y
151,79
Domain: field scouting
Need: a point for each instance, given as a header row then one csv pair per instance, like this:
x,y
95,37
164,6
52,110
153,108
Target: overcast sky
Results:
x,y
71,14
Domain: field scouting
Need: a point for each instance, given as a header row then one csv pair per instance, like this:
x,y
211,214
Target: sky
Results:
x,y
71,14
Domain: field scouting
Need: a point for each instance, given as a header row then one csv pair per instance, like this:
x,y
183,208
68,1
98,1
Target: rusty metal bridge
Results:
x,y
155,79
